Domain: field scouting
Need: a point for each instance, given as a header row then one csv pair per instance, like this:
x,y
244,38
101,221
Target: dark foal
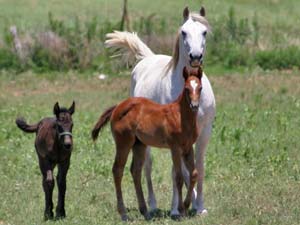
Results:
x,y
53,144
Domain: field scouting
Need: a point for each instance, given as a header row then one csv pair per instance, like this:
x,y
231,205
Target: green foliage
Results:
x,y
236,41
8,60
279,58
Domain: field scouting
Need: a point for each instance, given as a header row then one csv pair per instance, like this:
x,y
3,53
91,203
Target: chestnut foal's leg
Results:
x,y
123,145
61,183
46,168
176,158
193,175
138,158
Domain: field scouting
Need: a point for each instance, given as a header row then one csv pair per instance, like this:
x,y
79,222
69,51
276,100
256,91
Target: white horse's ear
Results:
x,y
202,11
186,13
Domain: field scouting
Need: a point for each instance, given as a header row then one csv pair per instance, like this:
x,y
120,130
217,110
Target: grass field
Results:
x,y
252,162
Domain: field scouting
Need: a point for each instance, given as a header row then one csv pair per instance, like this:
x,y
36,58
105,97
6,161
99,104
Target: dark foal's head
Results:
x,y
64,124
193,86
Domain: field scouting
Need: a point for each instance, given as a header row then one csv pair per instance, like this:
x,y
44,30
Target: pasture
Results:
x,y
252,161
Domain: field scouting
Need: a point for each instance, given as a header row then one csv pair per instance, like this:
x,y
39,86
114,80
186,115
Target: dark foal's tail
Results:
x,y
21,123
103,120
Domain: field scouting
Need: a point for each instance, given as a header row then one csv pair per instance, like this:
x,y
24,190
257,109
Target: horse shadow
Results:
x,y
160,214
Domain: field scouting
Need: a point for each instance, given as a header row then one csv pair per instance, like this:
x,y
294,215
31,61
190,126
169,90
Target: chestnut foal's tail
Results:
x,y
21,123
102,121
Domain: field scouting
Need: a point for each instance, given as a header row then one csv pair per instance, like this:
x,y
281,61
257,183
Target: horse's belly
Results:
x,y
154,139
150,80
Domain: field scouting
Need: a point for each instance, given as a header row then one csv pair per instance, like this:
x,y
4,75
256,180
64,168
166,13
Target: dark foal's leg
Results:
x,y
176,158
190,165
46,168
138,158
61,184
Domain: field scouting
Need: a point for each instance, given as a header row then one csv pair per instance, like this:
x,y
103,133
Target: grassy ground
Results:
x,y
252,162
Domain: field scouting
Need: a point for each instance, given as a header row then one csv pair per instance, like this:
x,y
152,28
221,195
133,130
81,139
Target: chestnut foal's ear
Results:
x,y
56,109
72,108
186,13
185,73
202,11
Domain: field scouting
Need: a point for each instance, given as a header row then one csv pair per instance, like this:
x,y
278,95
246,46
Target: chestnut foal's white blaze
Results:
x,y
194,84
159,77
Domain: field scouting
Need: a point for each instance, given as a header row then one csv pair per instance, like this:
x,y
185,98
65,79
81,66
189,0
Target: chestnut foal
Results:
x,y
138,122
53,144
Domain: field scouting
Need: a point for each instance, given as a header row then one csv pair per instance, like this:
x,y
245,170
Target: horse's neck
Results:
x,y
188,117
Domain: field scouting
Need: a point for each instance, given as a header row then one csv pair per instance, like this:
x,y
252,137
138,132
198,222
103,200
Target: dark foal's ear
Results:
x,y
202,11
186,13
56,109
72,108
185,73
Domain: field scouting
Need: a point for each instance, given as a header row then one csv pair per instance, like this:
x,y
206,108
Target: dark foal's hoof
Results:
x,y
48,216
60,214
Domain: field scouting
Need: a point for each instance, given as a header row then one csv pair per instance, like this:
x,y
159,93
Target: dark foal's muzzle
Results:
x,y
67,142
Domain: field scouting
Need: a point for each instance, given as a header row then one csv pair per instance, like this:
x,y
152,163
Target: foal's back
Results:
x,y
150,122
45,141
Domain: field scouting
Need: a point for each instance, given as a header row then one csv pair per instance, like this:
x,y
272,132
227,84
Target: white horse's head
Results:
x,y
192,37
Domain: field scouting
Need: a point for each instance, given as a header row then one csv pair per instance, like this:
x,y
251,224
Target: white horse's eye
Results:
x,y
204,33
183,33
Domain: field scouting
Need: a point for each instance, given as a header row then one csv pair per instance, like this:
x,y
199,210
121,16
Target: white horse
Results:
x,y
159,77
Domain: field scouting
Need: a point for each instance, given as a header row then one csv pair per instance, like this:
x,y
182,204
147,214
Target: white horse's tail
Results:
x,y
129,43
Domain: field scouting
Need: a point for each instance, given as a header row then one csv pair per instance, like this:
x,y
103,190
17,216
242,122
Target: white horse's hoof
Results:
x,y
203,212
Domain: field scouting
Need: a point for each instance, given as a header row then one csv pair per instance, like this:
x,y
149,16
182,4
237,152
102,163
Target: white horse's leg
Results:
x,y
175,198
201,145
148,170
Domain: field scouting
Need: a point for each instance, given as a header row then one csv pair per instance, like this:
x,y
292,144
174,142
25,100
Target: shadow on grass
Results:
x,y
160,214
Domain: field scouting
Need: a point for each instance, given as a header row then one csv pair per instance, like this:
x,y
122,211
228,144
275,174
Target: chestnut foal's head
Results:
x,y
64,125
193,86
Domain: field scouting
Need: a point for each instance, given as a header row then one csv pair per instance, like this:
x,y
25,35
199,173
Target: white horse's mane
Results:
x,y
175,55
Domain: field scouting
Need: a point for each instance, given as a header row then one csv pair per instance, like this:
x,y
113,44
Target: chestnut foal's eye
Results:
x,y
183,33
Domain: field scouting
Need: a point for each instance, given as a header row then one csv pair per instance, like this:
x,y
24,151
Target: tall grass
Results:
x,y
77,45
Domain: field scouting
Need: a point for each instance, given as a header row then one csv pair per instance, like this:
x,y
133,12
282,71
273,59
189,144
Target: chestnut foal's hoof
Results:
x,y
176,217
147,216
156,213
125,218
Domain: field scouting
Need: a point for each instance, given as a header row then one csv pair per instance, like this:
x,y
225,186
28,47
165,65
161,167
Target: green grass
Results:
x,y
252,161
274,16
